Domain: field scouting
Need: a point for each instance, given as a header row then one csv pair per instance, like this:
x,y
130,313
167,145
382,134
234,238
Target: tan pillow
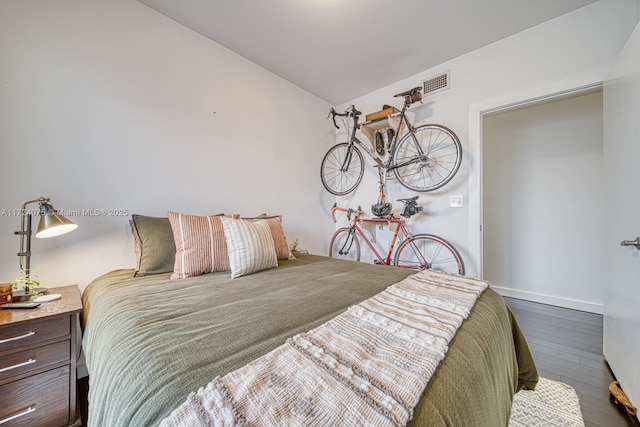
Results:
x,y
250,246
279,239
200,244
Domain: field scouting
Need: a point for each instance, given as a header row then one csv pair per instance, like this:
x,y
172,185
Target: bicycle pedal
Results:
x,y
377,262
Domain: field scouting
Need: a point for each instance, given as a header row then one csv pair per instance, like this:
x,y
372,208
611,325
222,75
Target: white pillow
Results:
x,y
250,245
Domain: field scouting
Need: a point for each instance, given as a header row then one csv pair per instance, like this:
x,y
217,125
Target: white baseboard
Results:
x,y
574,304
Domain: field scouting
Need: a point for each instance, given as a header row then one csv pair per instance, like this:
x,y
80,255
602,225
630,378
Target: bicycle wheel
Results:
x,y
345,245
428,251
428,158
342,169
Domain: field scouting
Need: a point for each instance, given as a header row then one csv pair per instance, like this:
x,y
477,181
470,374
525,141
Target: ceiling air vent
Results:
x,y
436,84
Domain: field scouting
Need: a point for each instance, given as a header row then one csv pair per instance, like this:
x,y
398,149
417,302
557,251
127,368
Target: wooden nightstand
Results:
x,y
38,363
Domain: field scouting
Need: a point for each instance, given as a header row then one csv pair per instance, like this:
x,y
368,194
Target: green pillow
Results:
x,y
155,247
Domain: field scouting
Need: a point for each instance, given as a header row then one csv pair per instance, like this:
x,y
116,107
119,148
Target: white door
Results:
x,y
622,218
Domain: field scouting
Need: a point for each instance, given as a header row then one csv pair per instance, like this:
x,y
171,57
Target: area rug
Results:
x,y
551,404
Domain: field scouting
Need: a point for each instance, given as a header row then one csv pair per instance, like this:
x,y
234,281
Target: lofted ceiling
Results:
x,y
339,50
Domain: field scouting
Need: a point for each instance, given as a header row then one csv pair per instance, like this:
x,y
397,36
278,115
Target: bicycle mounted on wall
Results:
x,y
424,159
416,251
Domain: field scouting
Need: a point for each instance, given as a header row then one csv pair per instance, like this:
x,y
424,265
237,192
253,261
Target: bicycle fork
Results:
x,y
347,159
346,247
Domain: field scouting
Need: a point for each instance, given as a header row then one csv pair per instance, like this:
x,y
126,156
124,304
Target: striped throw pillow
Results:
x,y
250,245
200,245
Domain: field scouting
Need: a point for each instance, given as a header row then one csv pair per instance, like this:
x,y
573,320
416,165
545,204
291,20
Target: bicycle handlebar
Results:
x,y
338,208
410,96
349,112
349,211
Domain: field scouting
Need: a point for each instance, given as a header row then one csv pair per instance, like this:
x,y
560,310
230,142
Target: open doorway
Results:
x,y
542,201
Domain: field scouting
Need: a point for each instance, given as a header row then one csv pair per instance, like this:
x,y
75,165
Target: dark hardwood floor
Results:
x,y
567,346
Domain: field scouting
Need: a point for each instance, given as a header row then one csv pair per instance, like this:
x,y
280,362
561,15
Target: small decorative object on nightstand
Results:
x,y
38,363
6,293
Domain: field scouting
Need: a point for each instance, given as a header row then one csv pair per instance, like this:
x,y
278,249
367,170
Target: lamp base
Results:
x,y
19,295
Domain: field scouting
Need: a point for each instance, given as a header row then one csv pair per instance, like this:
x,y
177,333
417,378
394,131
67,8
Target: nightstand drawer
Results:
x,y
40,400
27,333
34,358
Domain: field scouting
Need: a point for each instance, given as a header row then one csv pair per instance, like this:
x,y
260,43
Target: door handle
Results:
x,y
635,243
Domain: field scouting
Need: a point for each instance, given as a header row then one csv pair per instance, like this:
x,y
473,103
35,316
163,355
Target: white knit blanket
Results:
x,y
367,366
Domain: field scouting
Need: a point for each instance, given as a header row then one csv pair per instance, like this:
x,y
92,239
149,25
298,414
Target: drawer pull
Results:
x,y
29,410
19,365
27,335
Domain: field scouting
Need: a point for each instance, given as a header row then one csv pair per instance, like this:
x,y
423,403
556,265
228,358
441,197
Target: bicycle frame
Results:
x,y
388,165
422,158
390,219
360,231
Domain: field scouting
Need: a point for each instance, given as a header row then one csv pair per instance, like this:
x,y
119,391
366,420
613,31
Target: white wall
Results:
x,y
111,105
542,202
570,51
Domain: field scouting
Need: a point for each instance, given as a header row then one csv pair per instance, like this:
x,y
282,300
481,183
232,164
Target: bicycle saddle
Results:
x,y
408,92
413,199
410,207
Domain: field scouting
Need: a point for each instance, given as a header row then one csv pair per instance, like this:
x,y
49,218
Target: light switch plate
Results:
x,y
456,201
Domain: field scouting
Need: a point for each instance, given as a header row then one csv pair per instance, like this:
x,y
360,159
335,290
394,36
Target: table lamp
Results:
x,y
51,224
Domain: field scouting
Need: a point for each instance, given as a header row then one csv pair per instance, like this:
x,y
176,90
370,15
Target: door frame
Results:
x,y
477,113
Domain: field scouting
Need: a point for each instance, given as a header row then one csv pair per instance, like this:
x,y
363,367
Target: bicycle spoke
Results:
x,y
342,169
428,158
442,262
436,253
426,251
420,176
339,179
438,144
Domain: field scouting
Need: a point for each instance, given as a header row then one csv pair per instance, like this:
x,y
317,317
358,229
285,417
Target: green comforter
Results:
x,y
150,341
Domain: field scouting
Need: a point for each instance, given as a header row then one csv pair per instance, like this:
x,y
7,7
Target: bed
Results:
x,y
150,341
